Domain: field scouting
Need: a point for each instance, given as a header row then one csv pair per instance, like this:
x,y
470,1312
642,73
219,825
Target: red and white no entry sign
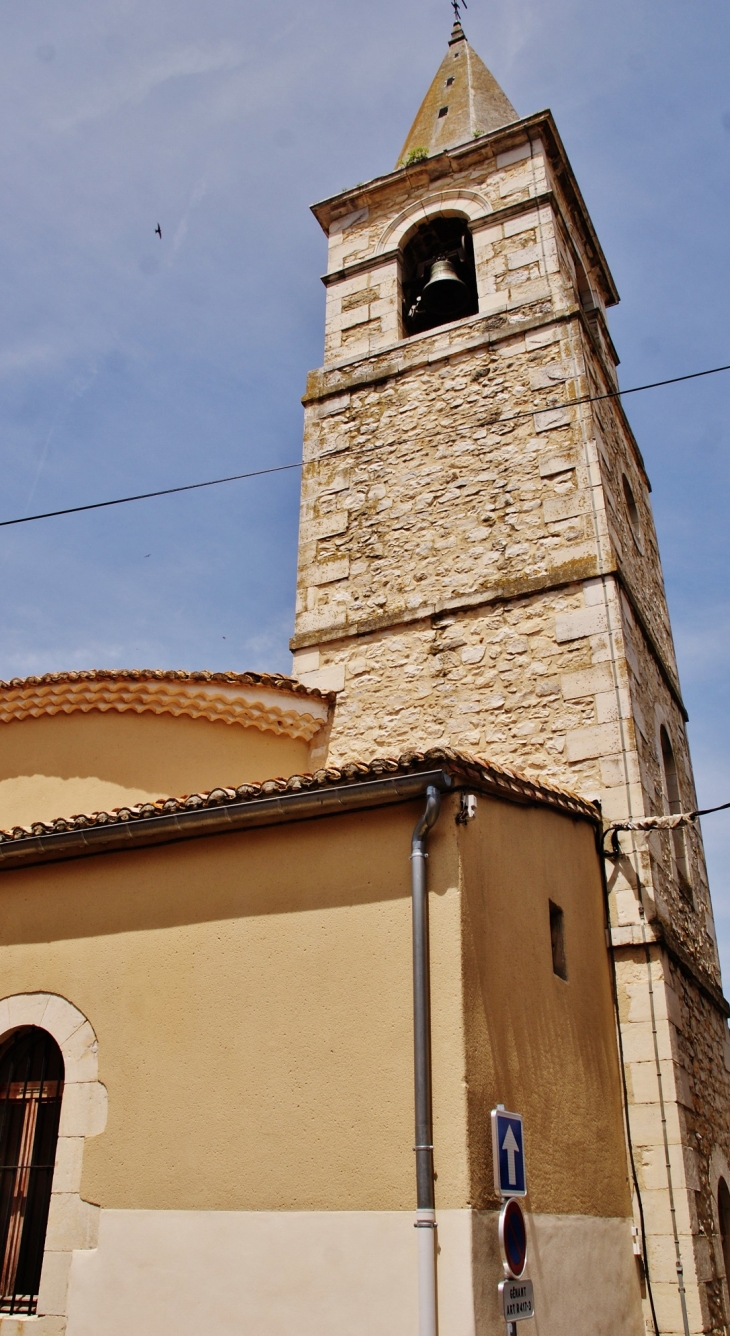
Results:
x,y
513,1238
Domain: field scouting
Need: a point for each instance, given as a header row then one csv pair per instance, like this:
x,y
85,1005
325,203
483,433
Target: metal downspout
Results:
x,y
425,1201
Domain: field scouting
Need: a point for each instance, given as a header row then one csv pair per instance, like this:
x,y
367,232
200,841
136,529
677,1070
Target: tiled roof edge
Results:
x,y
466,771
274,681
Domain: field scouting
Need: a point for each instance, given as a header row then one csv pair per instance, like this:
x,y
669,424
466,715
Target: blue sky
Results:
x,y
128,363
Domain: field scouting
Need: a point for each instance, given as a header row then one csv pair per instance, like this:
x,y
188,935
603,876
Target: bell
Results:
x,y
445,294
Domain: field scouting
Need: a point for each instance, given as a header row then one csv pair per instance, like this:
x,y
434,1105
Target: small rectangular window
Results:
x,y
557,940
443,112
449,81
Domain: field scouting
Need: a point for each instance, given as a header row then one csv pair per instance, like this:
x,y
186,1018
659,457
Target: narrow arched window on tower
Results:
x,y
632,510
674,804
723,1211
31,1087
438,275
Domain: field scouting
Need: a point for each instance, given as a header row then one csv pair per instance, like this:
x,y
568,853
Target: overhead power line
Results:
x,y
282,468
650,823
145,496
610,394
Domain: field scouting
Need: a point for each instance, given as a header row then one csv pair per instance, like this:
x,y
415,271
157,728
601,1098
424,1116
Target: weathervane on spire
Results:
x,y
456,6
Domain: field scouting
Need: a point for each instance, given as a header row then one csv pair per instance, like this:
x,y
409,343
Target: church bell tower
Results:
x,y
478,569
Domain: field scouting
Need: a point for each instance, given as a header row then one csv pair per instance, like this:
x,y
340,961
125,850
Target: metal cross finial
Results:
x,y
456,6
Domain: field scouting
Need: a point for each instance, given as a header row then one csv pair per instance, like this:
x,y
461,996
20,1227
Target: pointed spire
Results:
x,y
463,102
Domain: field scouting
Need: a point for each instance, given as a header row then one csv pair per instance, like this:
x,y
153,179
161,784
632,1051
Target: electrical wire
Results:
x,y
654,823
144,496
282,468
610,394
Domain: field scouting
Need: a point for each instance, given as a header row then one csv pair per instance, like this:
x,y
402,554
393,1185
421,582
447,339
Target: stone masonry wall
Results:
x,y
479,568
691,1043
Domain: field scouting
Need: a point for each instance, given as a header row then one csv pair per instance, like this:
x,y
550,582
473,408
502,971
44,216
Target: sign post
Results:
x,y
510,1181
508,1152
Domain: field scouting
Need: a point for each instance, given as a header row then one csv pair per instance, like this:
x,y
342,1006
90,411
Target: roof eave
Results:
x,y
323,800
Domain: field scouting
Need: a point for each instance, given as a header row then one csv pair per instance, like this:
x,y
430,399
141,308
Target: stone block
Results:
x,y
331,678
612,705
542,337
669,1309
80,1055
562,463
53,1292
472,654
328,572
305,661
526,255
28,1009
524,222
67,1171
511,155
547,377
584,743
576,625
620,803
72,1223
330,407
557,508
311,531
552,418
349,220
514,184
490,303
83,1110
587,682
638,1043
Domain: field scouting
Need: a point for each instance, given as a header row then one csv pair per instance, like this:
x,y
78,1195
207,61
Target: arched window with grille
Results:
x,y
674,804
31,1088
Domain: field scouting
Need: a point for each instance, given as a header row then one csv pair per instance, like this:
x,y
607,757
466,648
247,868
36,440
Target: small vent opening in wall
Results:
x,y
557,940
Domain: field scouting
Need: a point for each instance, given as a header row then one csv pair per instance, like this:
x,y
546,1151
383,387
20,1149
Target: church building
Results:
x,y
238,909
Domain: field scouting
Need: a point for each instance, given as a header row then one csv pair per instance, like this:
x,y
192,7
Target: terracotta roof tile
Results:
x,y
466,769
275,681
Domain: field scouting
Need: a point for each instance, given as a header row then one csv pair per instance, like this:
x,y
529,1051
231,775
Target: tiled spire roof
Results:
x,y
463,102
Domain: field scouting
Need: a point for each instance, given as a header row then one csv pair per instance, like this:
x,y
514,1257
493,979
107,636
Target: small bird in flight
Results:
x,y
158,230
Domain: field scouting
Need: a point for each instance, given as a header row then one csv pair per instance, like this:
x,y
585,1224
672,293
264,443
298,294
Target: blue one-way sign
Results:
x,y
508,1149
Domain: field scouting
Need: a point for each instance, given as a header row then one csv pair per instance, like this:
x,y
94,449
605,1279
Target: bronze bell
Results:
x,y
445,294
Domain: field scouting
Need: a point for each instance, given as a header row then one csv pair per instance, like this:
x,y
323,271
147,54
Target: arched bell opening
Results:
x,y
438,275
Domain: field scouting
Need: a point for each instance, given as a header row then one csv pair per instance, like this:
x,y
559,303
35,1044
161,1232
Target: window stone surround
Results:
x,y
72,1222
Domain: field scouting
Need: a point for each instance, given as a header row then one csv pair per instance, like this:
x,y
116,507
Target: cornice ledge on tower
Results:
x,y
394,359
406,355
561,576
491,219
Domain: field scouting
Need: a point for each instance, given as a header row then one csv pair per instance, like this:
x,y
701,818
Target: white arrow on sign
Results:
x,y
510,1145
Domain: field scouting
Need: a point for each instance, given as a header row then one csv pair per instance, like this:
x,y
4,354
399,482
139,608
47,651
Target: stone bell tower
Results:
x,y
478,568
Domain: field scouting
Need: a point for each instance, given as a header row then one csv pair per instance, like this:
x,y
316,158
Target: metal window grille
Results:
x,y
31,1088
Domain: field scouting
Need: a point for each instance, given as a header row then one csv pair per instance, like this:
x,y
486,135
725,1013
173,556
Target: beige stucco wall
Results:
x,y
537,1043
61,765
252,1001
251,996
324,1273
